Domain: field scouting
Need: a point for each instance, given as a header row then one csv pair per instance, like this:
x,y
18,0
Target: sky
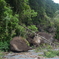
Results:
x,y
56,1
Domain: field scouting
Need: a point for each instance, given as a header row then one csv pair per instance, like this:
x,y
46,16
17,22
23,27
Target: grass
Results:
x,y
51,53
1,54
43,47
48,51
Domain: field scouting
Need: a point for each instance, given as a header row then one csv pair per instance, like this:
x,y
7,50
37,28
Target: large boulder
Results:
x,y
19,44
47,38
37,40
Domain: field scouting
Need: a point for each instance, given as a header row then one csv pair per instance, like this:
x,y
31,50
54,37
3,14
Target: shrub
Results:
x,y
57,33
20,30
4,46
33,28
51,53
1,54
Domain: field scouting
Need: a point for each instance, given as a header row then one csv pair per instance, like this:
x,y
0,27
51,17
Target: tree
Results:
x,y
56,22
22,8
51,8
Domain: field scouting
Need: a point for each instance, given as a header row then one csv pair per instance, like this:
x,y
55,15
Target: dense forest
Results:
x,y
37,15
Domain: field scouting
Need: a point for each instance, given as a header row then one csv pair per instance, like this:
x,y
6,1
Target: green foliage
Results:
x,y
1,54
38,49
43,47
57,33
27,12
2,4
51,53
33,28
56,22
23,9
43,8
21,31
39,7
4,46
8,23
51,8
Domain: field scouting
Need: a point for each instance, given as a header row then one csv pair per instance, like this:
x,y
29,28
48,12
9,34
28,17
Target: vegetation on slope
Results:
x,y
34,14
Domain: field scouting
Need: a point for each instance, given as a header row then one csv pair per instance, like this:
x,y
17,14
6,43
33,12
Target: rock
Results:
x,y
36,58
19,44
48,36
35,40
41,57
